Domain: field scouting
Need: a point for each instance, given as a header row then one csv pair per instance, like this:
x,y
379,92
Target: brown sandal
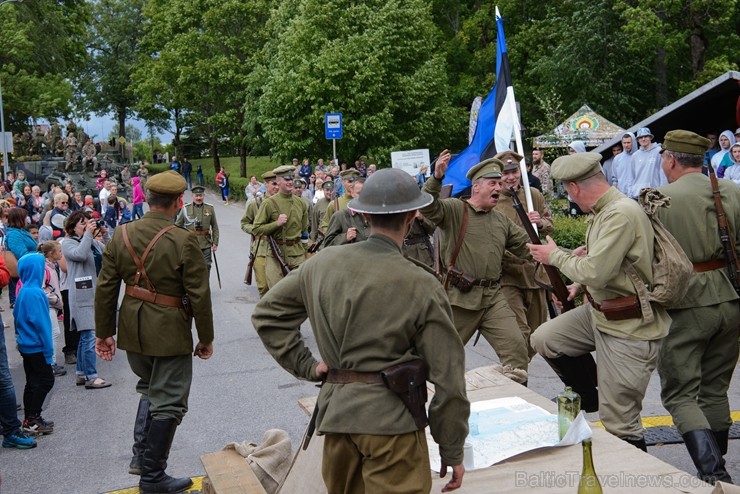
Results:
x,y
97,383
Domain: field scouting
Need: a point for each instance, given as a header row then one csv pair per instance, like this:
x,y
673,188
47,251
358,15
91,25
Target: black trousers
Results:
x,y
71,338
39,381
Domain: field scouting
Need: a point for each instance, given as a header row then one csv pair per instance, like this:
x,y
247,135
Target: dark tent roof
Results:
x,y
714,107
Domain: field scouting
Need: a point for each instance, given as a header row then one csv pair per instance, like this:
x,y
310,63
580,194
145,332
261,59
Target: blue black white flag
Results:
x,y
496,116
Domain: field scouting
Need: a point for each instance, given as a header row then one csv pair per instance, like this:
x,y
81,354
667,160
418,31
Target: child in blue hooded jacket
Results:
x,y
34,339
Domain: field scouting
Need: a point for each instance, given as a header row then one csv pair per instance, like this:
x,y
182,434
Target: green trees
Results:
x,y
41,51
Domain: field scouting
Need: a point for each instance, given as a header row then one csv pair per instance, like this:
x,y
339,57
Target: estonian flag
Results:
x,y
495,120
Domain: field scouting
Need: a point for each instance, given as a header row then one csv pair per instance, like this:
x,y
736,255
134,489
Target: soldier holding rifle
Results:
x,y
374,361
282,218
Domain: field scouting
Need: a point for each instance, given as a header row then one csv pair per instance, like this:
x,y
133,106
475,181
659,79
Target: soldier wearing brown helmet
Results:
x,y
372,441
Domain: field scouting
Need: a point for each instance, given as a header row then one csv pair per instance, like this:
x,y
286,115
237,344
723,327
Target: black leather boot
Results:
x,y
154,480
637,443
722,437
706,456
580,374
141,428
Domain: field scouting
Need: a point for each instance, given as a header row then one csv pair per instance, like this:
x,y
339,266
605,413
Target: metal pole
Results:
x,y
334,146
2,133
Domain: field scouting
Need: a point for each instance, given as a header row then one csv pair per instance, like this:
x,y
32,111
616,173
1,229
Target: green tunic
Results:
x,y
488,235
352,333
692,220
257,247
342,221
518,272
175,267
317,215
192,215
266,222
331,209
619,228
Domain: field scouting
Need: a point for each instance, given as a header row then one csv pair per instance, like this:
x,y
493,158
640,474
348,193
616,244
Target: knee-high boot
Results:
x,y
722,437
158,443
580,374
706,455
141,429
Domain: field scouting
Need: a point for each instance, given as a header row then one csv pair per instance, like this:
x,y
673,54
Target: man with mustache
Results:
x,y
474,239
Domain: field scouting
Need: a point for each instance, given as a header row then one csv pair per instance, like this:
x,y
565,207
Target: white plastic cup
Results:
x,y
468,460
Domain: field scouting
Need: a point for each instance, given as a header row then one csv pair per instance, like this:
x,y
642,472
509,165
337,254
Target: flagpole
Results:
x,y
519,146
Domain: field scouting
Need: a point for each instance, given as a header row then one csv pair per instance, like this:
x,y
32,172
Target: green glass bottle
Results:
x,y
589,483
569,406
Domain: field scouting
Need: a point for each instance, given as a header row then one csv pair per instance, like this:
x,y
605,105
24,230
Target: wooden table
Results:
x,y
622,467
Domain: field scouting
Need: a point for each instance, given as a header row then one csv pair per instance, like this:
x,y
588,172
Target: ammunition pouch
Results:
x,y
408,381
457,278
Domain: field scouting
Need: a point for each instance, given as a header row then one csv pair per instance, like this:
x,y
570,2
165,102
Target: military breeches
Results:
x,y
530,308
208,258
369,464
165,382
624,366
260,277
273,271
696,364
498,326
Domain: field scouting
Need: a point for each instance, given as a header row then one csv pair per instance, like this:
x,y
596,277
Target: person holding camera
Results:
x,y
475,237
200,218
83,250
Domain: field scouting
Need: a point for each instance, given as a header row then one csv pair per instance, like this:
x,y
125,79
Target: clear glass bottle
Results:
x,y
569,406
589,483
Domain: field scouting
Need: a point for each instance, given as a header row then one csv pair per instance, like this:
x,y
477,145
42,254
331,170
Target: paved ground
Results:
x,y
237,395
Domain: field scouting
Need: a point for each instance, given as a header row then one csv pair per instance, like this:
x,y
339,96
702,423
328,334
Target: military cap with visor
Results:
x,y
510,159
268,175
684,141
284,171
169,183
490,168
390,191
350,174
198,189
576,167
328,185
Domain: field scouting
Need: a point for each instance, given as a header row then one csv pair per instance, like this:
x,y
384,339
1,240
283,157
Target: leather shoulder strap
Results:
x,y
140,270
461,234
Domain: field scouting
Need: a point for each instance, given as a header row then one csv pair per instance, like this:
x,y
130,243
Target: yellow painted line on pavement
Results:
x,y
667,420
195,489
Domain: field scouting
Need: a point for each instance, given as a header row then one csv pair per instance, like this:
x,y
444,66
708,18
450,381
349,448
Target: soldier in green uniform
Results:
x,y
348,226
200,218
700,352
285,217
154,323
340,203
371,441
626,344
479,304
258,245
70,151
519,277
319,209
418,244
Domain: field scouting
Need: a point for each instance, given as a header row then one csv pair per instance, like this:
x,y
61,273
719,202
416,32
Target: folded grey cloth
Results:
x,y
270,460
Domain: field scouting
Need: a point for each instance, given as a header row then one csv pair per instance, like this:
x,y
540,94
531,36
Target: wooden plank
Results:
x,y
230,473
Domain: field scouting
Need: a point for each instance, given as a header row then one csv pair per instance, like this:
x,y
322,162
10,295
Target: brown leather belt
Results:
x,y
344,376
140,293
700,267
618,309
485,283
201,232
288,242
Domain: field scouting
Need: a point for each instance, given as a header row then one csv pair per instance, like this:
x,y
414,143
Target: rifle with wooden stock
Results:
x,y
725,236
557,285
278,255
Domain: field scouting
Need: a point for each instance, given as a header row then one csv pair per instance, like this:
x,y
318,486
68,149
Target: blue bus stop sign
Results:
x,y
333,125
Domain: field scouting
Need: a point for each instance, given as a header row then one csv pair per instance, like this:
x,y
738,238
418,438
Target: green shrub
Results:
x,y
569,232
256,165
158,168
